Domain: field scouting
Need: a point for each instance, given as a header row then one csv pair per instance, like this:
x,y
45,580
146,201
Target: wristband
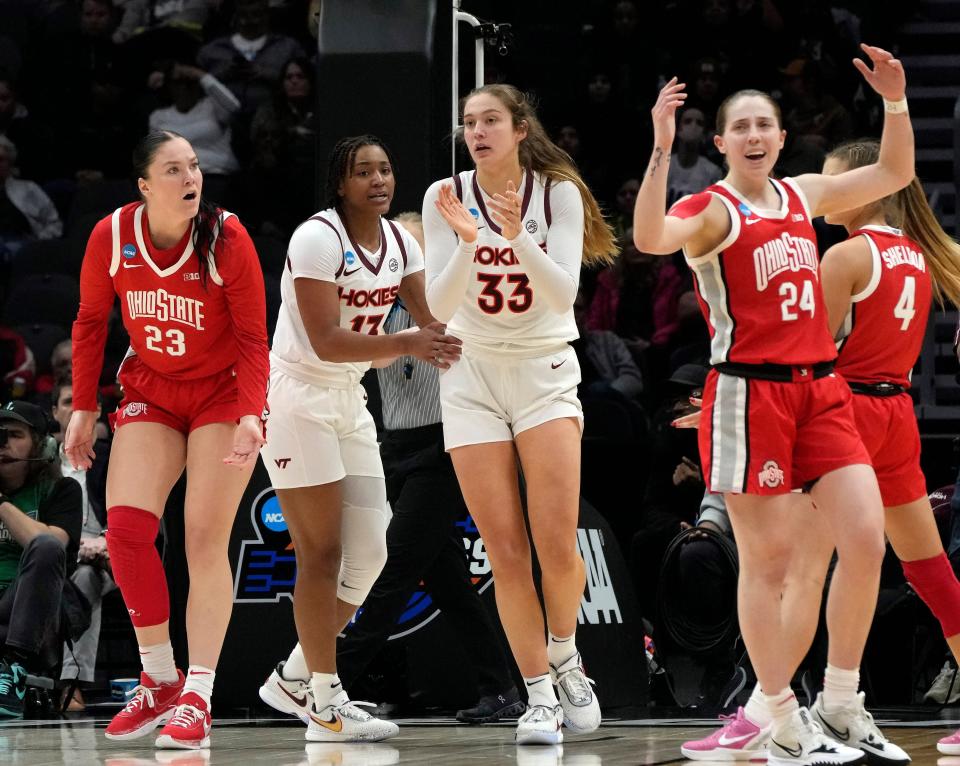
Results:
x,y
895,107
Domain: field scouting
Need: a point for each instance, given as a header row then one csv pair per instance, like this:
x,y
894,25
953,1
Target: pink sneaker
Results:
x,y
950,745
737,740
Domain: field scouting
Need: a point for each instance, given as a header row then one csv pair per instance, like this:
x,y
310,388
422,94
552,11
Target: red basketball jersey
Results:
x,y
881,335
179,327
759,290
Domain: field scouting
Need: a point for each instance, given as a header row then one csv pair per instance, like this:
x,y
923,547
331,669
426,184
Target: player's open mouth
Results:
x,y
190,197
481,148
756,155
382,197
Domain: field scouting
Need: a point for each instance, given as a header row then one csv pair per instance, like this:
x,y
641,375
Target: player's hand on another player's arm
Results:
x,y
431,344
506,209
78,441
456,215
247,441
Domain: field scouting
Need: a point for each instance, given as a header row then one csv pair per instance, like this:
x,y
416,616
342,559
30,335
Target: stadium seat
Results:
x,y
47,256
272,253
42,298
41,338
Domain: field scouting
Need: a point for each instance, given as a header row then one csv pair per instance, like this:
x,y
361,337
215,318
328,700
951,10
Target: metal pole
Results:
x,y
459,16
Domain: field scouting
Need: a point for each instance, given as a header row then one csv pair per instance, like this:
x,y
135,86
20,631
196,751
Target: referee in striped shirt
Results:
x,y
422,541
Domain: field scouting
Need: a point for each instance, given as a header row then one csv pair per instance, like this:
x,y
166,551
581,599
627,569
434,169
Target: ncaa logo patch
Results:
x,y
129,250
394,264
745,210
349,258
474,212
267,567
531,226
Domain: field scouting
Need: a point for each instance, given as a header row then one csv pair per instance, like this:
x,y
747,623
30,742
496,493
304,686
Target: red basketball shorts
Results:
x,y
183,405
889,431
762,437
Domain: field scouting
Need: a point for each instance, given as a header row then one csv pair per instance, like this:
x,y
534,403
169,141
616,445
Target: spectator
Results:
x,y
61,360
284,148
809,112
626,197
141,16
201,111
623,301
17,124
607,369
40,520
689,171
92,576
674,489
17,365
250,62
26,212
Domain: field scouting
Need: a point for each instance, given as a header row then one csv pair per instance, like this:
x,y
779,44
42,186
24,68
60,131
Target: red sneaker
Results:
x,y
151,704
189,729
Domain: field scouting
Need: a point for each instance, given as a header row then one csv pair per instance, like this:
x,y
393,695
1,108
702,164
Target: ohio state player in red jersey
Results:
x,y
775,415
194,388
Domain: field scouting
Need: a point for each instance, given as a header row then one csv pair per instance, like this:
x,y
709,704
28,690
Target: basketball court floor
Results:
x,y
79,741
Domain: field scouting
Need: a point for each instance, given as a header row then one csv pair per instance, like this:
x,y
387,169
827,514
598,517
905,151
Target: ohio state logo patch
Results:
x,y
771,475
134,409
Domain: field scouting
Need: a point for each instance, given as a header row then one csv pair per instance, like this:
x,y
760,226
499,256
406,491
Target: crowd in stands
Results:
x,y
80,80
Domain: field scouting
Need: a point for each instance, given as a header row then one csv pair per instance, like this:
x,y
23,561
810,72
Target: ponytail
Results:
x,y
538,153
909,211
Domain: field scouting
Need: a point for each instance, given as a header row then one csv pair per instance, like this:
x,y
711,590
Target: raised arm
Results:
x,y
895,167
450,240
653,232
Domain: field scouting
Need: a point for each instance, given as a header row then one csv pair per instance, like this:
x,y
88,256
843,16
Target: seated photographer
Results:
x,y
40,519
93,575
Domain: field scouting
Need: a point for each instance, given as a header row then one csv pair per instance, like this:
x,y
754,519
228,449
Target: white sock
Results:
x,y
295,668
781,707
540,691
327,690
756,709
839,688
559,650
157,661
200,682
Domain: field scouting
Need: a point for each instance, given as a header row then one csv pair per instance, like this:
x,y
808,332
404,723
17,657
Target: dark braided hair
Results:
x,y
208,217
341,164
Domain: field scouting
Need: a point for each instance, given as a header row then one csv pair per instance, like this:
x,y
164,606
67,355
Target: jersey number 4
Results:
x,y
904,310
491,299
169,342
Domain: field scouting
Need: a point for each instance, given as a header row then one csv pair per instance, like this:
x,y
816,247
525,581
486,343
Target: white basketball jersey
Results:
x,y
501,312
367,285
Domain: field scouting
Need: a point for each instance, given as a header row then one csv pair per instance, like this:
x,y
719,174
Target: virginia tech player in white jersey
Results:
x,y
502,309
367,284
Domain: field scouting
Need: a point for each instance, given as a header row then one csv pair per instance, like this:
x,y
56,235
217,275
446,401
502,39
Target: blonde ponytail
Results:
x,y
909,211
539,153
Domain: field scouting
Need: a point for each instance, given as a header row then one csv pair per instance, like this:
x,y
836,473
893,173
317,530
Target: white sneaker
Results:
x,y
854,726
581,711
945,689
339,754
540,725
290,697
344,721
548,755
803,743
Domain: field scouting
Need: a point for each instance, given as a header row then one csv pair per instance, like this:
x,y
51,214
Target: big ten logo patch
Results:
x,y
421,609
599,604
267,566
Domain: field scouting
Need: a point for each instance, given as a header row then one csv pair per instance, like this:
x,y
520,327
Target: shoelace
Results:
x,y
186,716
538,714
6,683
351,709
137,696
576,683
